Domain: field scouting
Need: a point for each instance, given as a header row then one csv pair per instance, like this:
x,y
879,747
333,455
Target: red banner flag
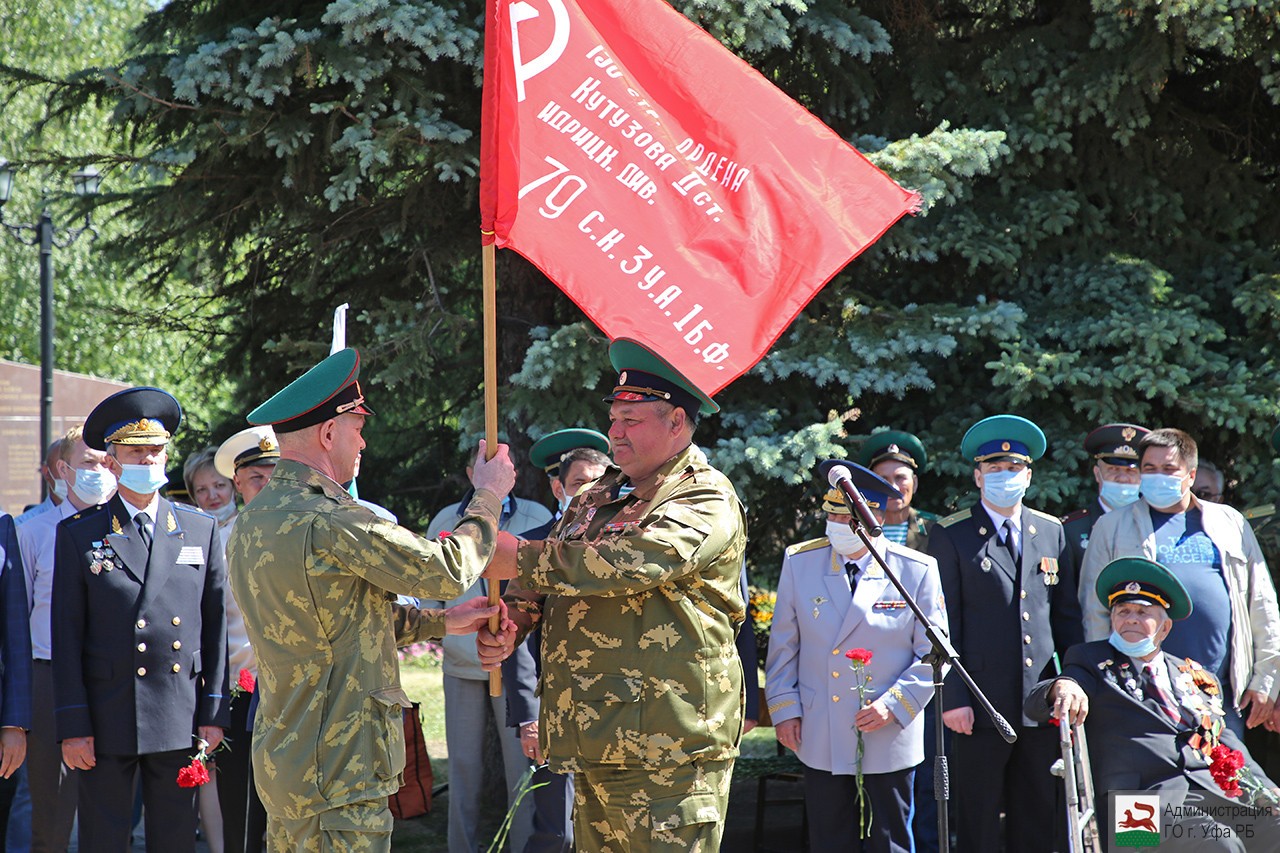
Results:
x,y
676,195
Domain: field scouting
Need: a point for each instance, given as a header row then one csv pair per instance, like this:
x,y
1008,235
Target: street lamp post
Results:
x,y
42,233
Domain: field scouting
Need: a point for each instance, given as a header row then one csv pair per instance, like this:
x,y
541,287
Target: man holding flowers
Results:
x,y
845,684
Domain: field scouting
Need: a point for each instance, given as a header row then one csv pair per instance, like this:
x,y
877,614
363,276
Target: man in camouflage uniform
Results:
x,y
315,574
638,597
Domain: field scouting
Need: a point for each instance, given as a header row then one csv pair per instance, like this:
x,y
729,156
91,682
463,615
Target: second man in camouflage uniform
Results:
x,y
638,595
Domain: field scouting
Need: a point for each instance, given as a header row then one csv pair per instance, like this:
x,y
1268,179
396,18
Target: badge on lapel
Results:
x,y
818,601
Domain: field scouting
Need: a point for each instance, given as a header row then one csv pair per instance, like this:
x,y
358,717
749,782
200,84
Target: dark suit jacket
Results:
x,y
1006,622
15,686
1132,744
1079,526
139,649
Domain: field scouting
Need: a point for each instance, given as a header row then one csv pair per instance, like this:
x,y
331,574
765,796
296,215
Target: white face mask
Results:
x,y
94,486
843,539
224,512
60,488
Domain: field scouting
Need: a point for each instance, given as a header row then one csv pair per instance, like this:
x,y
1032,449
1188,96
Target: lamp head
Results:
x,y
6,180
86,181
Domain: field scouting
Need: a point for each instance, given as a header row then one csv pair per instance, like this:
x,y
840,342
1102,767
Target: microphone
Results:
x,y
840,477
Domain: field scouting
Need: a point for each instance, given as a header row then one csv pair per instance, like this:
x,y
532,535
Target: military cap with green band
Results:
x,y
1003,437
893,444
329,389
546,451
646,377
1145,581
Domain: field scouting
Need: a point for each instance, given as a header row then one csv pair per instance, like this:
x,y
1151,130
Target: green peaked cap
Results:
x,y
893,444
546,451
646,377
1146,581
1001,436
329,389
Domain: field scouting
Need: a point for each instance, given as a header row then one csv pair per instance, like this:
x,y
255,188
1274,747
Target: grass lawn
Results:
x,y
429,834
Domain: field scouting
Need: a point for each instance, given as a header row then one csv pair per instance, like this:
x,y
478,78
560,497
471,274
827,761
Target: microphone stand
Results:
x,y
943,653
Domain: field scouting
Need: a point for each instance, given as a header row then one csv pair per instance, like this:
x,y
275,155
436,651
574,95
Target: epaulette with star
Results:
x,y
1260,511
1075,516
955,517
811,545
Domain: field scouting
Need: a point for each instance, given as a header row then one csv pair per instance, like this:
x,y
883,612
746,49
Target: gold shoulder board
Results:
x,y
811,545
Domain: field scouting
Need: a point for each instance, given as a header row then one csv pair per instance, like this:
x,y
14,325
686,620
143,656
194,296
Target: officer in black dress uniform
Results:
x,y
1010,586
139,635
1114,451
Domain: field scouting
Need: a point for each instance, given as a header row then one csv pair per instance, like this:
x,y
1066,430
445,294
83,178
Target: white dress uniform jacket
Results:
x,y
815,621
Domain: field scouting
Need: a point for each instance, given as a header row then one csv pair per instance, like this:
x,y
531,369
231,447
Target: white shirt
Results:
x,y
999,521
239,652
37,534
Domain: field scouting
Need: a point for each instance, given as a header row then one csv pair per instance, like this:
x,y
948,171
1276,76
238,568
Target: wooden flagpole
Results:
x,y
491,409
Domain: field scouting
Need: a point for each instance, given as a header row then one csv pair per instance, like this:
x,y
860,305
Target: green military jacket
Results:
x,y
315,574
919,524
639,664
1265,521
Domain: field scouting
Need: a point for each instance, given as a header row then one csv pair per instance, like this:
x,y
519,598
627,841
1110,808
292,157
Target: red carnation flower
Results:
x,y
246,681
193,775
862,656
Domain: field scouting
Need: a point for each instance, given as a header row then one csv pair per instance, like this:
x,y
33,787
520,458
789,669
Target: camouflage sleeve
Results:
x,y
524,607
680,536
413,625
394,559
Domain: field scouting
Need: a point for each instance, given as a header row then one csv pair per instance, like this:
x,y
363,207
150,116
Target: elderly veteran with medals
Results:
x,y
637,590
834,597
139,634
315,574
1154,720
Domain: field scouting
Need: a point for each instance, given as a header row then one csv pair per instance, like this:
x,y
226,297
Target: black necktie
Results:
x,y
852,570
1011,543
142,521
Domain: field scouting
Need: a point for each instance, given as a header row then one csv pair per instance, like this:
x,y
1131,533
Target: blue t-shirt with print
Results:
x,y
1185,549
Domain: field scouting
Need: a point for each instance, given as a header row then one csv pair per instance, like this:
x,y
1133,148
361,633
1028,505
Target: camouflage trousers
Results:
x,y
363,827
631,810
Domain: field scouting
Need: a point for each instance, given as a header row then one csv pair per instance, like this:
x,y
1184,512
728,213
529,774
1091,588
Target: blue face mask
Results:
x,y
1162,490
1004,488
143,479
1117,495
564,503
1140,649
